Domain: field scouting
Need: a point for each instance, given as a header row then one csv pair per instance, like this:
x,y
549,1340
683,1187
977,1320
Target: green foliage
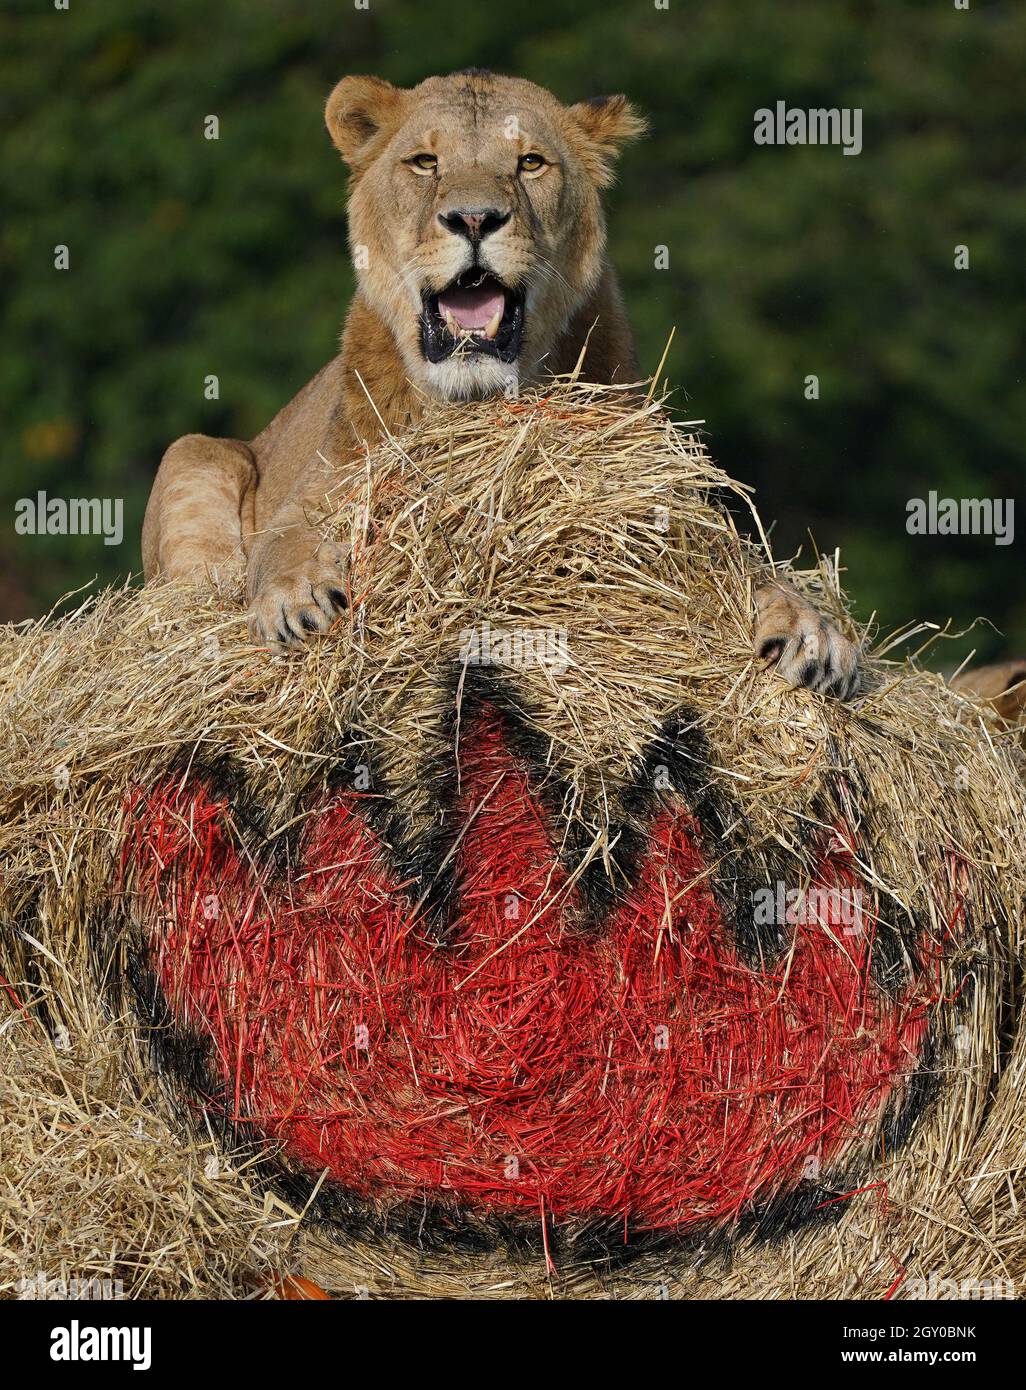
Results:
x,y
194,257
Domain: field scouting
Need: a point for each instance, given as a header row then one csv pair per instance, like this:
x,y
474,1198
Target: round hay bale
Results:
x,y
526,936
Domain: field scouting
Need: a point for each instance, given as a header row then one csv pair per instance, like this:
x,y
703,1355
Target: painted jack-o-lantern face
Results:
x,y
516,1023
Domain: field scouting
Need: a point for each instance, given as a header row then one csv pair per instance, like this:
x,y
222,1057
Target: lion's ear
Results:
x,y
358,111
606,123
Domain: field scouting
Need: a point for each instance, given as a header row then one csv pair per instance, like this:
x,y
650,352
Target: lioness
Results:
x,y
478,236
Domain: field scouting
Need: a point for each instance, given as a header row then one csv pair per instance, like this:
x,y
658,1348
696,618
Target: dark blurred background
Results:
x,y
192,257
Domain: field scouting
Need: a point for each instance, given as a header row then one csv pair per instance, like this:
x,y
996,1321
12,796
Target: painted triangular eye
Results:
x,y
464,1020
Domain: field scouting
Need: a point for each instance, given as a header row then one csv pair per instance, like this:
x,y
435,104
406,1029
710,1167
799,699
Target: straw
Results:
x,y
401,839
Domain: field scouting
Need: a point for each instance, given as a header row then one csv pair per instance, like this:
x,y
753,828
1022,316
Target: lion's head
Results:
x,y
474,217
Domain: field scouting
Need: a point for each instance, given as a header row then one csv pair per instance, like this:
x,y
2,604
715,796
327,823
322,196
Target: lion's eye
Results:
x,y
423,163
531,163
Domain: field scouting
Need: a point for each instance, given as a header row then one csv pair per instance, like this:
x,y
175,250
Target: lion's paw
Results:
x,y
804,647
291,605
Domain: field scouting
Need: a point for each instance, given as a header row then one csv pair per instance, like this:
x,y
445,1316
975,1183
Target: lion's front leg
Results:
x,y
198,512
805,648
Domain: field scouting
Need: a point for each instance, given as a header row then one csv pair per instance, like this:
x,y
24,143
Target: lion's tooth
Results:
x,y
493,326
451,324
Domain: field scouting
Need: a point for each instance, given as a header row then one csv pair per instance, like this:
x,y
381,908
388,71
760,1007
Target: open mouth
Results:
x,y
477,314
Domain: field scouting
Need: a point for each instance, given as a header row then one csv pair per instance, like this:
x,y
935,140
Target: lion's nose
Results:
x,y
474,223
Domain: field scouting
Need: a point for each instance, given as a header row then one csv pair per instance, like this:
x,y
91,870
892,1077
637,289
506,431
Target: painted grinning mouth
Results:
x,y
476,314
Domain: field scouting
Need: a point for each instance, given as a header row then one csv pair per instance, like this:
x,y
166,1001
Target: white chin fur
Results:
x,y
469,378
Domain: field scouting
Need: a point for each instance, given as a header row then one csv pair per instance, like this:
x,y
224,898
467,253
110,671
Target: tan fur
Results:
x,y
217,504
1002,686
